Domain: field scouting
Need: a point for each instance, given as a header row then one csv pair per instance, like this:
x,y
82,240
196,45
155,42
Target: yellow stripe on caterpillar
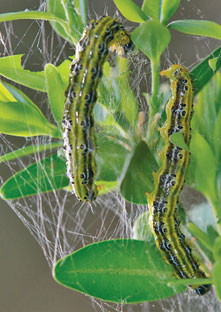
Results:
x,y
169,180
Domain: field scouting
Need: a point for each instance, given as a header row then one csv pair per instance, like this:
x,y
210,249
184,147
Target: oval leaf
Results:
x,y
131,11
204,165
21,119
198,28
168,8
66,13
27,150
137,176
110,157
56,91
160,10
121,270
151,38
47,175
10,67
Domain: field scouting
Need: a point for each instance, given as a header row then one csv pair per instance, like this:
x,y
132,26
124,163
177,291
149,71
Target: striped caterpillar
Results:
x,y
99,37
169,180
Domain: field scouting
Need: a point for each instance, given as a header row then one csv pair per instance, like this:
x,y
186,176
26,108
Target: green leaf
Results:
x,y
116,95
110,157
32,15
200,235
212,63
121,270
217,279
161,10
81,7
131,11
137,177
64,71
10,67
27,150
46,175
151,38
204,163
64,9
178,140
106,186
206,112
9,93
217,249
197,28
56,91
202,73
217,137
21,119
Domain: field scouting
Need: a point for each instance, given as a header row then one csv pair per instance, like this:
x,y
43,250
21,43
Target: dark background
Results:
x,y
26,283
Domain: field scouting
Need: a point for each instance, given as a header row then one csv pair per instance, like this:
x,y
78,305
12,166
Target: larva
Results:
x,y
169,180
99,37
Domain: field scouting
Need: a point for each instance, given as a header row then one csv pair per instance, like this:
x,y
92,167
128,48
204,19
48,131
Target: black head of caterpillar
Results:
x,y
99,37
169,180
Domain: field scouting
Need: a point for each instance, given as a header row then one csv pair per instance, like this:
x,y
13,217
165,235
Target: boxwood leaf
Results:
x,y
56,91
137,177
21,119
110,157
204,164
160,10
121,270
202,73
131,11
10,67
27,150
151,38
43,176
65,11
197,28
217,278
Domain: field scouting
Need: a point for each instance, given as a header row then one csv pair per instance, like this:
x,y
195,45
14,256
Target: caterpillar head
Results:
x,y
175,72
122,43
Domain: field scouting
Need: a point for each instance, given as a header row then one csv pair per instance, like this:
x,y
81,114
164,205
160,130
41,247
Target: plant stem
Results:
x,y
153,100
155,65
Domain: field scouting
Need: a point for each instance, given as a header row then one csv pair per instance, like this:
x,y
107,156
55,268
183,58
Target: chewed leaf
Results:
x,y
10,67
137,176
121,270
203,72
46,175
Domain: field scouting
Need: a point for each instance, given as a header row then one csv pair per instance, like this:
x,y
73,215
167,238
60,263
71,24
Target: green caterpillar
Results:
x,y
99,37
169,180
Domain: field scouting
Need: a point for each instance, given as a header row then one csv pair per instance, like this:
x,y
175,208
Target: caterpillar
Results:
x,y
169,180
99,37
